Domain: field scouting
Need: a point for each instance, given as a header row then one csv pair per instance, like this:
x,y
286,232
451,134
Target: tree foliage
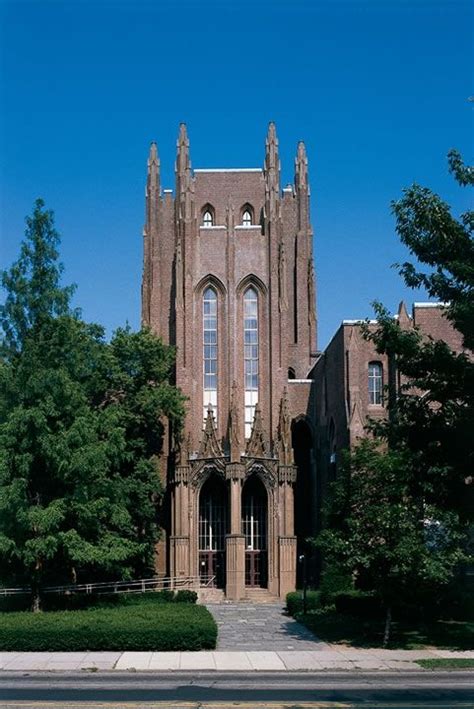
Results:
x,y
433,410
378,528
400,512
81,428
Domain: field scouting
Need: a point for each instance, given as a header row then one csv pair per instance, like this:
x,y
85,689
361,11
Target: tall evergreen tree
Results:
x,y
81,429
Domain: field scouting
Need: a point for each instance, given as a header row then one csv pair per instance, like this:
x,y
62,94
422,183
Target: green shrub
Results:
x,y
12,604
165,595
361,604
145,626
82,601
185,596
294,601
334,580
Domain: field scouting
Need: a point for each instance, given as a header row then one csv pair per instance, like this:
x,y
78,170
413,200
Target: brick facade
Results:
x,y
342,378
229,237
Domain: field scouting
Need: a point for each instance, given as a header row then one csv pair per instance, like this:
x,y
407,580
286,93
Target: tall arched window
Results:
x,y
375,383
209,324
250,356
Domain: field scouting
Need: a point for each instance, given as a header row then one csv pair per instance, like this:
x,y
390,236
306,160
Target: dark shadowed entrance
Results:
x,y
213,527
304,524
254,527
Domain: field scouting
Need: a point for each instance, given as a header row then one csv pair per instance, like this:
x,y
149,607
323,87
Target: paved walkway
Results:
x,y
336,658
264,626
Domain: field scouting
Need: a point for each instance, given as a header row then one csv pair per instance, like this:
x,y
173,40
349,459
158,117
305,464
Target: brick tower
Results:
x,y
228,279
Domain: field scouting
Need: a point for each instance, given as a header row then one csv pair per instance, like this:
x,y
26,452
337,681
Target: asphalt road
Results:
x,y
417,690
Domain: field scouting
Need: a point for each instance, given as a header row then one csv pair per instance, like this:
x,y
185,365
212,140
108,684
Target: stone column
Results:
x,y
287,560
179,540
287,539
235,541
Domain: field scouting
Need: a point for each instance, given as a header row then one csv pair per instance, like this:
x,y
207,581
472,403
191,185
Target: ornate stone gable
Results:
x,y
210,446
265,469
202,469
256,445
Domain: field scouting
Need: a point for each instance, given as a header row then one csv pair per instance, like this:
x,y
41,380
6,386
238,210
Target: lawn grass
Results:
x,y
134,624
447,663
333,627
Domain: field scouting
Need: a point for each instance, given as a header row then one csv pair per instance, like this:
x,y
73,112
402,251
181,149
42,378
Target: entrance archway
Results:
x,y
302,442
213,527
254,528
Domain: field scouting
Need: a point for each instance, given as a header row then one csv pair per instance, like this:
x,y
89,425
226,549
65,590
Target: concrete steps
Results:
x,y
211,595
252,595
260,595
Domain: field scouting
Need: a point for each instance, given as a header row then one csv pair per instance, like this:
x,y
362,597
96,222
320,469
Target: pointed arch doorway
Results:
x,y
254,529
213,527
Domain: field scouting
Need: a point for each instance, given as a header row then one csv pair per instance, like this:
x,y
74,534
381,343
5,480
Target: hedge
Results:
x,y
362,604
145,626
294,601
81,601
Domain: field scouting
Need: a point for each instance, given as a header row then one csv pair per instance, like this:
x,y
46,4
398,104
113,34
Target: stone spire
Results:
x,y
152,195
234,440
285,450
301,167
184,177
272,170
256,445
210,447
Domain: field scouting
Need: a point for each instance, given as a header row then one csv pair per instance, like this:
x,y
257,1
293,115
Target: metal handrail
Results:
x,y
155,583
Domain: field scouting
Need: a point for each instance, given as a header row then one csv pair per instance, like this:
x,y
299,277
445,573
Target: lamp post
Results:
x,y
302,560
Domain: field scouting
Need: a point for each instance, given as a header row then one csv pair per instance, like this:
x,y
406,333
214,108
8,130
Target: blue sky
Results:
x,y
378,90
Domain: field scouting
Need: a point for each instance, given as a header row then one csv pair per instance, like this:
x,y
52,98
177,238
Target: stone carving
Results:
x,y
181,474
202,469
235,471
264,469
183,449
284,447
287,474
210,446
256,445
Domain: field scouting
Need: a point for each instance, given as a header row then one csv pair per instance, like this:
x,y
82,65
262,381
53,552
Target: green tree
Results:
x,y
400,512
378,529
433,410
81,429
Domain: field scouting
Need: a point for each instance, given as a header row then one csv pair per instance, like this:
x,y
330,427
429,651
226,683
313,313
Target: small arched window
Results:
x,y
207,218
208,215
247,218
291,373
375,383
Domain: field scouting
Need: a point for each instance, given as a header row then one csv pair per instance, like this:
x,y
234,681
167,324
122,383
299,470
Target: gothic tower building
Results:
x,y
228,279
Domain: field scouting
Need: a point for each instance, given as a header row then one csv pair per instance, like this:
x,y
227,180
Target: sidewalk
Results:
x,y
335,658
